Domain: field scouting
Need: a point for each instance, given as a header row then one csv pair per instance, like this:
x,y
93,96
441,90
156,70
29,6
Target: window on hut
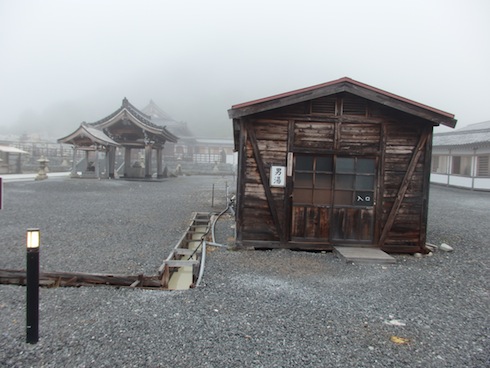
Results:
x,y
354,178
315,177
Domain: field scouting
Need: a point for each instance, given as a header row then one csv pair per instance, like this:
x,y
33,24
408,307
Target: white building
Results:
x,y
461,158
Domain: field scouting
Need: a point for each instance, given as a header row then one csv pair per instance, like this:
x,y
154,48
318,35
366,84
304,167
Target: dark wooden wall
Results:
x,y
341,124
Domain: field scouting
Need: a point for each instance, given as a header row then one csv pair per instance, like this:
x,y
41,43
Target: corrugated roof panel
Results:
x,y
461,138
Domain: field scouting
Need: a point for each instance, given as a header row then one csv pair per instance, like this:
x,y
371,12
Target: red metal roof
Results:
x,y
340,81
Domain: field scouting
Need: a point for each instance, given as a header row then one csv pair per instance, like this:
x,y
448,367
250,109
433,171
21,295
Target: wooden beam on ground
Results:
x,y
77,279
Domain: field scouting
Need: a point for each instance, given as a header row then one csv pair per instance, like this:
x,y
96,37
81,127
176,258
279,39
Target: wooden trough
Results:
x,y
181,268
178,271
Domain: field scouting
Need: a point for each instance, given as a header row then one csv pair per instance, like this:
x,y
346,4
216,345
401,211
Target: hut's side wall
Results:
x,y
343,125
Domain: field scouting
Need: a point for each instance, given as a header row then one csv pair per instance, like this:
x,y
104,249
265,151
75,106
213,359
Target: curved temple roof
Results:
x,y
89,134
125,125
128,111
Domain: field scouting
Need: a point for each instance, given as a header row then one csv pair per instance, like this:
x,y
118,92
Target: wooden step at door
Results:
x,y
363,255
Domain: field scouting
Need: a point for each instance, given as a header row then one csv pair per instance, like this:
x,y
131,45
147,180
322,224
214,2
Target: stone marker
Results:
x,y
446,247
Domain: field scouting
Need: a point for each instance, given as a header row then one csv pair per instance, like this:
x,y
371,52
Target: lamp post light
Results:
x,y
32,286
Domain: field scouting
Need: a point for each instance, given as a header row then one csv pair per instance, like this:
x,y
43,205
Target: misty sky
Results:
x,y
63,62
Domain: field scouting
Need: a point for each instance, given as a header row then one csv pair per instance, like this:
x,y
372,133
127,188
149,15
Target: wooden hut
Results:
x,y
340,163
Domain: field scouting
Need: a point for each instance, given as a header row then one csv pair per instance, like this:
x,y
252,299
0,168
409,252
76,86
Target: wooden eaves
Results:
x,y
88,133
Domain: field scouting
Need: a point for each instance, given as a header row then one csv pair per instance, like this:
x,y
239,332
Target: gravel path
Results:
x,y
108,226
254,308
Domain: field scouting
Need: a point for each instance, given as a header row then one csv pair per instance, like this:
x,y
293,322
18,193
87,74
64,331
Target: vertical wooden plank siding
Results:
x,y
380,183
242,165
288,193
426,189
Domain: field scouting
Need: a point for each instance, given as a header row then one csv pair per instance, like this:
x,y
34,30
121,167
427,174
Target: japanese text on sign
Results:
x,y
363,198
278,176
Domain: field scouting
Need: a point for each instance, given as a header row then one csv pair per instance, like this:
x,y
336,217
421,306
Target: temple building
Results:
x,y
127,128
190,148
183,149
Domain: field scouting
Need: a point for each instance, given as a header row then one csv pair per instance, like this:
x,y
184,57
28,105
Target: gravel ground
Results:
x,y
255,308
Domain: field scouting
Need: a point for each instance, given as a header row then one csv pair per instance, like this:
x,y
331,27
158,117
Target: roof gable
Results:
x,y
344,85
126,125
157,114
89,136
128,112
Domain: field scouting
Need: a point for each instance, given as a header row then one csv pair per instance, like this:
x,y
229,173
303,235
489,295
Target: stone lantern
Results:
x,y
43,168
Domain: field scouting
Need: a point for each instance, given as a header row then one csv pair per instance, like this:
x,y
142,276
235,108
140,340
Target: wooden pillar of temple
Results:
x,y
127,161
96,163
107,161
111,161
7,160
148,150
159,162
73,173
87,162
18,169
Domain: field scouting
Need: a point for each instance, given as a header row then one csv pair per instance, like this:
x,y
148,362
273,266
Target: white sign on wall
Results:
x,y
278,176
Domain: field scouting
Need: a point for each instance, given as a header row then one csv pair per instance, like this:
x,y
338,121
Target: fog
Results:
x,y
64,62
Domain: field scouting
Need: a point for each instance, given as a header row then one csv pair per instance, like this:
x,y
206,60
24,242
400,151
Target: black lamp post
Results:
x,y
32,285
